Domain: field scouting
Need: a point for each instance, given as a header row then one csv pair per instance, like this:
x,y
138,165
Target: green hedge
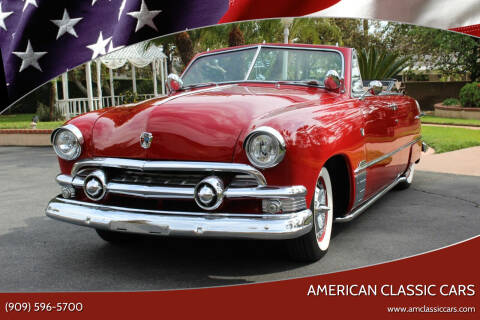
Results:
x,y
470,95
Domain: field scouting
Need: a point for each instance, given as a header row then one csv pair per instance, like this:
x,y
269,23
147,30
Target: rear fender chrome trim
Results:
x,y
364,165
356,212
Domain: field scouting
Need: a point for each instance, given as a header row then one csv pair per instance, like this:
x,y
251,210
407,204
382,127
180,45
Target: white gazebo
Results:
x,y
137,56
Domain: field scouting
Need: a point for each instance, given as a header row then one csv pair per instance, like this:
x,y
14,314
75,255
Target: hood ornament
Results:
x,y
146,140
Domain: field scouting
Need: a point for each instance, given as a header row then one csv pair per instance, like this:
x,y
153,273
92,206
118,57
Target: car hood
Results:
x,y
200,125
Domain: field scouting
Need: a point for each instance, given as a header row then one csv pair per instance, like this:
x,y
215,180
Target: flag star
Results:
x,y
94,1
29,57
144,17
32,2
120,10
3,16
98,48
66,25
111,48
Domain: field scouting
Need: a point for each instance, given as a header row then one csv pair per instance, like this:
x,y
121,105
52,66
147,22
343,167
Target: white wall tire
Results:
x,y
314,245
408,182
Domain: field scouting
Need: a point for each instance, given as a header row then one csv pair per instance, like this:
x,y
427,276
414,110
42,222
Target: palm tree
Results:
x,y
378,64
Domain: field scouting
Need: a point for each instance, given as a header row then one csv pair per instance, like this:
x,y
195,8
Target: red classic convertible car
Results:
x,y
258,142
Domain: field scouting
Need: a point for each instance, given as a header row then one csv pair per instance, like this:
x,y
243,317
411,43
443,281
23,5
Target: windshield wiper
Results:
x,y
200,85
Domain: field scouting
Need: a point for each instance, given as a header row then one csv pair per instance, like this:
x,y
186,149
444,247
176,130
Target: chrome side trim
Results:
x,y
360,185
161,192
192,224
144,165
267,192
424,147
364,165
369,202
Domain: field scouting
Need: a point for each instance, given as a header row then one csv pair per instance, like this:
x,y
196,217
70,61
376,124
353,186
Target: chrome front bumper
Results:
x,y
173,223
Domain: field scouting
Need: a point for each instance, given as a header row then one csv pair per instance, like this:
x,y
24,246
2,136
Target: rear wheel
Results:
x,y
409,178
314,245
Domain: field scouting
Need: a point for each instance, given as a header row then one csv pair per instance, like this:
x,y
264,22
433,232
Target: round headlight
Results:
x,y
265,147
67,142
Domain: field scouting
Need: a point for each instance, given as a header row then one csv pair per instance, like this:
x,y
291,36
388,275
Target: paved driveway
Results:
x,y
37,253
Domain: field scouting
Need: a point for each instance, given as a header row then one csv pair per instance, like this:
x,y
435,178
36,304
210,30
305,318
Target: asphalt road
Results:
x,y
40,254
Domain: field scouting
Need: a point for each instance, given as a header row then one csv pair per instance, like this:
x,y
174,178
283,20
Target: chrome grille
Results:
x,y
158,179
171,179
243,181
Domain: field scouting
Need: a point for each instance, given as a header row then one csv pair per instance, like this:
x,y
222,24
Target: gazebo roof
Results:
x,y
135,54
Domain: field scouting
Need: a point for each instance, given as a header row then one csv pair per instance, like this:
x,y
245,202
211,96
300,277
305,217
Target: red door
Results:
x,y
380,143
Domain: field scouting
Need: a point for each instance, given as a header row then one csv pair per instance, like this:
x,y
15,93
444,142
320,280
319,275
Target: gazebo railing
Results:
x,y
76,106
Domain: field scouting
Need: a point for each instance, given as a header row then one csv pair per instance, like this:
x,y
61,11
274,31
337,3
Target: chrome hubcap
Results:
x,y
321,209
411,173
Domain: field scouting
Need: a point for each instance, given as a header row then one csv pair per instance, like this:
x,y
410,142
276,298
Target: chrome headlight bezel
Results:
x,y
76,133
276,137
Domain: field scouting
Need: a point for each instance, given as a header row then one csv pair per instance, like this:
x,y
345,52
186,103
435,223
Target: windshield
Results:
x,y
272,64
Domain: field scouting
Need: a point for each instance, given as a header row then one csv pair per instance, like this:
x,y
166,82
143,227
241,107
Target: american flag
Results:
x,y
41,39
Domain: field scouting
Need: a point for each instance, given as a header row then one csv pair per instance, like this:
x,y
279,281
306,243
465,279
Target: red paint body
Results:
x,y
212,125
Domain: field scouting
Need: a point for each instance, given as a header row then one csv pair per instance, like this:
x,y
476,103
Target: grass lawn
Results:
x,y
22,121
452,121
444,139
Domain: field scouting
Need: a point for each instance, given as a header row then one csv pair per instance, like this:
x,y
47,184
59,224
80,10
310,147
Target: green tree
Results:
x,y
236,38
453,54
378,64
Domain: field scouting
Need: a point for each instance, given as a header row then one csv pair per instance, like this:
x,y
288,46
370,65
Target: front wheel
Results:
x,y
314,245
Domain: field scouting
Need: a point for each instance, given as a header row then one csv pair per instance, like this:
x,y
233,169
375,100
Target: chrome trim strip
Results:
x,y
164,223
267,192
250,68
147,165
355,213
161,192
150,192
364,165
424,147
360,185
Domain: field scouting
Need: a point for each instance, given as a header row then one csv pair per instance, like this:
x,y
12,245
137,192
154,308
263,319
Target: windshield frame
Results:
x,y
254,60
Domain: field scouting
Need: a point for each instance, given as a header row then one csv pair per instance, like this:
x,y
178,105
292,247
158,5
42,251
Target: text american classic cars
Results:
x,y
258,142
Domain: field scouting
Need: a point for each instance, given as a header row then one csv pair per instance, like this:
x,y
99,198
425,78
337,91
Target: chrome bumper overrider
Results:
x,y
173,223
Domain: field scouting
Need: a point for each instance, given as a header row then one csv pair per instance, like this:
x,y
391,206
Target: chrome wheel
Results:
x,y
411,172
407,182
323,210
314,245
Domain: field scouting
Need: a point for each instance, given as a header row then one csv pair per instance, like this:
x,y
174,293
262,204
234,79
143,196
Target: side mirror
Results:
x,y
375,87
174,83
332,81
